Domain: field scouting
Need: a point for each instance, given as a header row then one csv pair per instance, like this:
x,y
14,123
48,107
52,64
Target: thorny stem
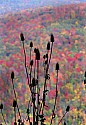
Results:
x,y
30,53
15,113
50,55
55,98
16,99
26,66
3,117
37,90
62,118
30,73
31,66
34,90
27,117
25,63
46,79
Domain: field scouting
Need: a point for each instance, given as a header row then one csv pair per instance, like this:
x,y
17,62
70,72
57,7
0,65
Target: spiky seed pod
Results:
x,y
57,66
33,81
85,81
31,44
22,37
1,106
12,75
68,108
52,38
31,62
37,54
48,46
46,62
14,103
35,50
44,56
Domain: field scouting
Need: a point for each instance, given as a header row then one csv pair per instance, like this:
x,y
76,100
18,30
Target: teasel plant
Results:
x,y
85,80
38,107
36,104
1,108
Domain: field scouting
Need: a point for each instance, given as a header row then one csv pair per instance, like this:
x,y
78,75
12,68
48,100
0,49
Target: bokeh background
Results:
x,y
37,20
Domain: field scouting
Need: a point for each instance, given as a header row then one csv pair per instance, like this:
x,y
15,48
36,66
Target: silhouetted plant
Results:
x,y
1,108
67,110
33,83
15,104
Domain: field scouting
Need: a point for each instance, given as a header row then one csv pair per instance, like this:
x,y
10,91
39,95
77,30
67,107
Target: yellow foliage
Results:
x,y
76,22
65,49
69,86
51,101
26,97
75,112
19,85
76,66
54,24
63,32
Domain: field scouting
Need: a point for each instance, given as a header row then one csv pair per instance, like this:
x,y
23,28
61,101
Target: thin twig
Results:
x,y
62,118
16,99
46,79
15,113
55,98
3,117
25,63
37,91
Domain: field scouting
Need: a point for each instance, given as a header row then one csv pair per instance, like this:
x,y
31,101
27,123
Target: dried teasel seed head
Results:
x,y
31,62
12,75
52,38
31,44
48,46
44,56
1,106
37,54
22,37
14,103
68,108
35,50
85,81
57,66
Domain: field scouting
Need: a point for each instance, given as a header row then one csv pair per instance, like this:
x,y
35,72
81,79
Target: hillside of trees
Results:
x,y
68,24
